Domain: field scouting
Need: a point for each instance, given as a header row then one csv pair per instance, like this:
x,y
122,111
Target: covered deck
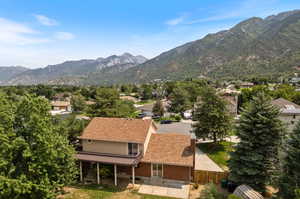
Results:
x,y
111,159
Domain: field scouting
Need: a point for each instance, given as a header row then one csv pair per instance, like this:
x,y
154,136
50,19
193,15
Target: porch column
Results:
x,y
115,168
133,175
80,168
98,176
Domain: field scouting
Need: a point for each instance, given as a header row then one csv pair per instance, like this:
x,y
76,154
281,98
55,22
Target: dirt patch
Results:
x,y
71,192
125,195
195,193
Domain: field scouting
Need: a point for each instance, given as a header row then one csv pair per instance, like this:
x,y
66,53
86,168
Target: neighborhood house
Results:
x,y
58,107
289,112
135,150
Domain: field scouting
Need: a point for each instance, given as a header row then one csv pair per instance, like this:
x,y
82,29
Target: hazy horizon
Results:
x,y
37,33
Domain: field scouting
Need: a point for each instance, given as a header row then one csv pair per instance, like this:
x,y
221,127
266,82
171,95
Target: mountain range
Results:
x,y
8,72
75,72
256,46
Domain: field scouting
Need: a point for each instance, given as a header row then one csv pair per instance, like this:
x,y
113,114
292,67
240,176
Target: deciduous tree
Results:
x,y
35,160
212,117
78,103
158,108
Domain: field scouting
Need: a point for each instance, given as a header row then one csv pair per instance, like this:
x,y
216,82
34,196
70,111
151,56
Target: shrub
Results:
x,y
232,196
177,117
210,192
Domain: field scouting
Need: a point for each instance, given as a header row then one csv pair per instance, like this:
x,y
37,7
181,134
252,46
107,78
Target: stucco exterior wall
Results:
x,y
120,148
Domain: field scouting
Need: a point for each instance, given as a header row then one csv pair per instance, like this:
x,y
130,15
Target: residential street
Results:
x,y
175,127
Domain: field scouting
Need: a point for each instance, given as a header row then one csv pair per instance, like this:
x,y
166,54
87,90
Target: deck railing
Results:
x,y
139,155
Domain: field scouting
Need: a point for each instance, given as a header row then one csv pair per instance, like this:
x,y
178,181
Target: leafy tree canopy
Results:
x,y
35,160
211,116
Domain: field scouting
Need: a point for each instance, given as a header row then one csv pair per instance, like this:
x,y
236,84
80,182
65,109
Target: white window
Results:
x,y
133,148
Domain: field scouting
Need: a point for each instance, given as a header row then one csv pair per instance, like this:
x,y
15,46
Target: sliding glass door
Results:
x,y
157,170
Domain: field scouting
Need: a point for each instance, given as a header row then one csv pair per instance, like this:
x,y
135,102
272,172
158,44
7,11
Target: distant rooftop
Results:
x,y
286,106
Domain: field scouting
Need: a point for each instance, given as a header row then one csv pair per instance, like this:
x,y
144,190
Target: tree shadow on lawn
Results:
x,y
218,152
98,187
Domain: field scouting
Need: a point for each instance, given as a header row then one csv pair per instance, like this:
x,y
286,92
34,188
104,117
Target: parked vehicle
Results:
x,y
141,115
155,117
166,122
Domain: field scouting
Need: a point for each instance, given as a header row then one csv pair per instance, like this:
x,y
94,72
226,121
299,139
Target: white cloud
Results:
x,y
44,20
18,34
176,21
64,36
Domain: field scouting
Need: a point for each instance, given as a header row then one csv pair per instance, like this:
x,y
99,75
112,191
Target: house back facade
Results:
x,y
136,150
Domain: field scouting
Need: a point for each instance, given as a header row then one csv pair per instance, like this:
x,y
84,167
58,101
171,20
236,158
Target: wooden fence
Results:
x,y
204,177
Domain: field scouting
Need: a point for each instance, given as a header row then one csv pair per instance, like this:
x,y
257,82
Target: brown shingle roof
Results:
x,y
117,129
169,148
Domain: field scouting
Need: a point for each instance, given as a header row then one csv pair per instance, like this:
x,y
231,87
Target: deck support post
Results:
x,y
98,176
133,175
80,168
115,169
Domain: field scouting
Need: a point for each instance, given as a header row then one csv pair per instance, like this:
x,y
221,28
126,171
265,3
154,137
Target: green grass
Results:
x,y
105,192
143,102
91,191
145,196
218,152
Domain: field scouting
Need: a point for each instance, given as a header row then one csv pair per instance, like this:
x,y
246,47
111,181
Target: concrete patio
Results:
x,y
174,190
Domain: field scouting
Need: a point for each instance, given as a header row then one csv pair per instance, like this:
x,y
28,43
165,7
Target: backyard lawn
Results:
x,y
218,152
103,192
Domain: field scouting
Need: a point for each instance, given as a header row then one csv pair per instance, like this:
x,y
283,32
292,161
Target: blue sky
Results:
x,y
35,33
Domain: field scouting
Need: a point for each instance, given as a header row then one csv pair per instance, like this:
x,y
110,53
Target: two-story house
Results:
x,y
134,149
289,112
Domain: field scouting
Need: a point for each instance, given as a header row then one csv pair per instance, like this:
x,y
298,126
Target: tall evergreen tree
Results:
x,y
213,120
255,160
35,160
290,176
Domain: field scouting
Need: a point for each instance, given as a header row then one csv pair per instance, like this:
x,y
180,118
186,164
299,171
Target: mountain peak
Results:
x,y
126,54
